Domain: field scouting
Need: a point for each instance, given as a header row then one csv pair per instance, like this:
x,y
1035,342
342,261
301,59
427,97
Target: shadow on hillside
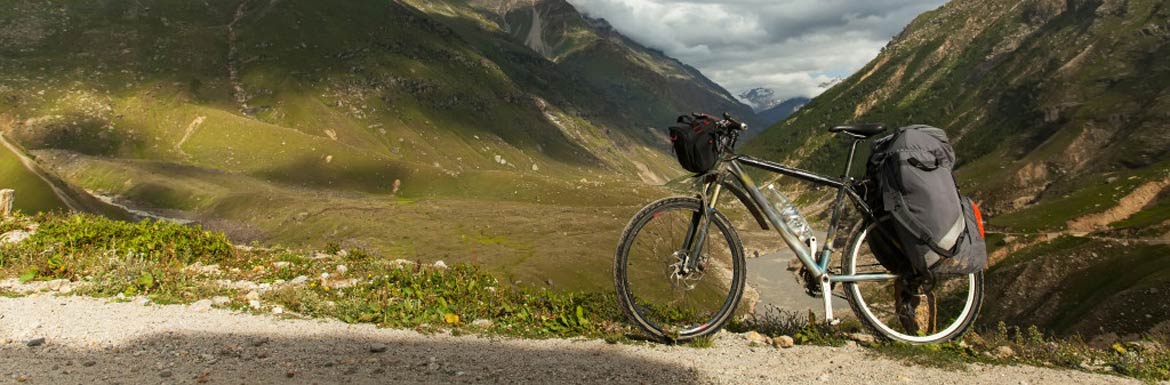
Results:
x,y
331,358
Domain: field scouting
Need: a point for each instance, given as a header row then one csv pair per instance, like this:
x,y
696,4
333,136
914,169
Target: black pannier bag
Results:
x,y
695,145
925,226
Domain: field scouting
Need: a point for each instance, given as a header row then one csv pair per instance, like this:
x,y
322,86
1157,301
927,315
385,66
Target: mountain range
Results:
x,y
474,131
1058,112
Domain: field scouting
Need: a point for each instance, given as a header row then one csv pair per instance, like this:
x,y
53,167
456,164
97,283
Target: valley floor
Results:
x,y
97,341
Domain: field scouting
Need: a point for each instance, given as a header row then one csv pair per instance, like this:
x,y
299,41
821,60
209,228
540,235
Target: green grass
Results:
x,y
32,194
155,259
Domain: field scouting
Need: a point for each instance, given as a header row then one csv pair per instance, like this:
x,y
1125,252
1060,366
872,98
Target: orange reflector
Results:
x,y
978,218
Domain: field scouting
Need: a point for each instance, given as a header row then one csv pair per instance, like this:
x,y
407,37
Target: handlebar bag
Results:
x,y
694,142
937,230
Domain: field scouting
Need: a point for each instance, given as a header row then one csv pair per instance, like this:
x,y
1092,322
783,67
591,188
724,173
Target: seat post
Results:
x,y
849,163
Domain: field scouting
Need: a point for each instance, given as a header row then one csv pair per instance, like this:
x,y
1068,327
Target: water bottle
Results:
x,y
790,215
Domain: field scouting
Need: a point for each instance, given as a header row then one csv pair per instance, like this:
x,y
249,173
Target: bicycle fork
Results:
x,y
700,224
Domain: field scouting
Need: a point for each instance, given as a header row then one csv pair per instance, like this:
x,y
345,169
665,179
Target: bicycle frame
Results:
x,y
816,261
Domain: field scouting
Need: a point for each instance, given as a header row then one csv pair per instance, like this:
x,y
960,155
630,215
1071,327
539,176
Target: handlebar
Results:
x,y
732,123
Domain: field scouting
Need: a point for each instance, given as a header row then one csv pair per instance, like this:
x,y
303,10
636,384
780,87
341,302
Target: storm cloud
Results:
x,y
790,46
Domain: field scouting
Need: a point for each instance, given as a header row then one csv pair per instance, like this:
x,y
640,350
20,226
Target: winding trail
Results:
x,y
198,121
94,341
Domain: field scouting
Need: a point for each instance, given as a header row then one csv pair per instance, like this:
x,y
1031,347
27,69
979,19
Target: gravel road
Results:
x,y
89,340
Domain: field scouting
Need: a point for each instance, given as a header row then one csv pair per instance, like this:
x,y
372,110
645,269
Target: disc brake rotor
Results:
x,y
679,278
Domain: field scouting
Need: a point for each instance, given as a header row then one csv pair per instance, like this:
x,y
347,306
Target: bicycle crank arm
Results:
x,y
827,296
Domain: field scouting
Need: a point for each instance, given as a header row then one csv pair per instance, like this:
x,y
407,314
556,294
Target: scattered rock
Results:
x,y
14,236
783,342
277,310
221,300
281,264
200,306
341,269
440,265
401,262
141,301
378,348
88,363
300,279
863,338
254,304
754,338
482,323
165,374
22,378
252,295
1004,351
36,342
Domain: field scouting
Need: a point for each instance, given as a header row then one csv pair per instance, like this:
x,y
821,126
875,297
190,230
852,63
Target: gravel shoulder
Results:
x,y
90,340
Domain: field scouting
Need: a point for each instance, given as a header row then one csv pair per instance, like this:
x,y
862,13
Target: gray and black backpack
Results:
x,y
925,226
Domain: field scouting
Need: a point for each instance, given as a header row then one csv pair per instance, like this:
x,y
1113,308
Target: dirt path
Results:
x,y
93,341
198,121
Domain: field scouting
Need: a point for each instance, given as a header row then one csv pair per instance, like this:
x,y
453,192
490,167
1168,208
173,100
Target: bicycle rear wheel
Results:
x,y
652,290
908,311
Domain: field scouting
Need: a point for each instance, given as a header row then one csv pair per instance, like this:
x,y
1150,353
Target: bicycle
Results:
x,y
691,268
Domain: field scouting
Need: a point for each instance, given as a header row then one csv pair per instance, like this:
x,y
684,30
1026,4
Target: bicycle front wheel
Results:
x,y
905,310
655,292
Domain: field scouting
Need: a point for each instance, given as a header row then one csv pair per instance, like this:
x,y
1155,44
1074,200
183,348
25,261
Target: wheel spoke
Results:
x,y
911,310
667,300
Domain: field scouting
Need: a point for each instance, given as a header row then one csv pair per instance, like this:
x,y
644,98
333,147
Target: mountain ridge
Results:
x,y
1057,112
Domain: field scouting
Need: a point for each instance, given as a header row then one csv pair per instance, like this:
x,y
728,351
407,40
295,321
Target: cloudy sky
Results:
x,y
791,46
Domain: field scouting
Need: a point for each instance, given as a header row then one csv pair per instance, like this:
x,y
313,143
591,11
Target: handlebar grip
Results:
x,y
734,123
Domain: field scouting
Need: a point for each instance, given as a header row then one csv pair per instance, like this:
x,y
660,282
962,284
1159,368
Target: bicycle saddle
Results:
x,y
860,130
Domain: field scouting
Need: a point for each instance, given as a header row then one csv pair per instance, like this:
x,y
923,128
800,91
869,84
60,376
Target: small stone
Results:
x,y
482,323
755,339
277,310
783,342
341,269
378,348
141,301
88,363
863,338
1004,351
36,342
300,279
221,300
252,295
15,236
281,264
22,378
254,304
200,306
440,265
165,374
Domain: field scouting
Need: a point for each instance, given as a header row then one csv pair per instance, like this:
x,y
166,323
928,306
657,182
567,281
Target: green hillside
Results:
x,y
35,194
1058,113
417,130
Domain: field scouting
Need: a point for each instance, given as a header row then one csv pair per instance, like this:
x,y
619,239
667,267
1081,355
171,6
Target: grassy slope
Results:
x,y
1056,112
35,194
135,101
